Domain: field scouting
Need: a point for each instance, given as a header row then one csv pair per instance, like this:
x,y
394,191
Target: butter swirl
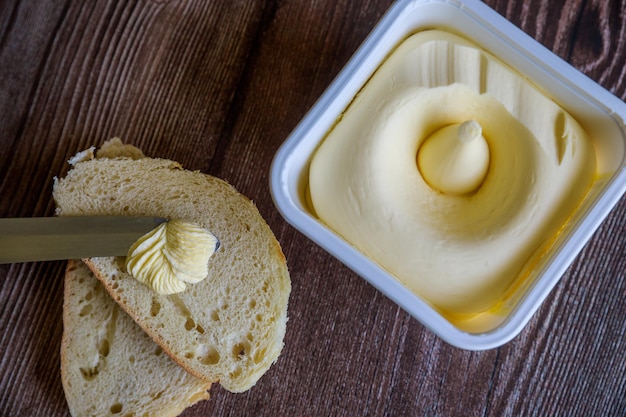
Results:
x,y
459,224
173,254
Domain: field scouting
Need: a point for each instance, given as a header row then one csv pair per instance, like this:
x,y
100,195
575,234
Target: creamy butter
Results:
x,y
172,254
455,158
462,244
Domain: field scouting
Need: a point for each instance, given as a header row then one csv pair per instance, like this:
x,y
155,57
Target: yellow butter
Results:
x,y
455,158
459,251
174,253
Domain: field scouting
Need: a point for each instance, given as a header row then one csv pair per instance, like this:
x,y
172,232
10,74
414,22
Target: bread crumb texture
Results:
x,y
229,327
109,365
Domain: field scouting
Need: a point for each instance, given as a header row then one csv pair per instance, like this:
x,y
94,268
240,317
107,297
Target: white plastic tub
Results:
x,y
598,111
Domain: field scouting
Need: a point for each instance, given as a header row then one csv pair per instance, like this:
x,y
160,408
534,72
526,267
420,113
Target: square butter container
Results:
x,y
597,110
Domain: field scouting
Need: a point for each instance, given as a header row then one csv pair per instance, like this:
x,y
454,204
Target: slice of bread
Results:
x,y
229,327
109,366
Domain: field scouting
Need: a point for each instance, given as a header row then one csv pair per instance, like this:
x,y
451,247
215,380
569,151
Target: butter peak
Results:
x,y
455,159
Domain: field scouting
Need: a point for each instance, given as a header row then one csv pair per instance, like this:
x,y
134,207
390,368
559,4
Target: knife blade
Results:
x,y
70,237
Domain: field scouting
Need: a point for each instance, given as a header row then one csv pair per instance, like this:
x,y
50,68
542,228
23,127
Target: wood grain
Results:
x,y
218,86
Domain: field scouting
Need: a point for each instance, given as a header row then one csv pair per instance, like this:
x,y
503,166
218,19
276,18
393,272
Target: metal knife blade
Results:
x,y
71,237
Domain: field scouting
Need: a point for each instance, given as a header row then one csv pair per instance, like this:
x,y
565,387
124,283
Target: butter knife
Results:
x,y
69,237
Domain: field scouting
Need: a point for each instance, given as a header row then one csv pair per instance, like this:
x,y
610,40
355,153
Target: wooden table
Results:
x,y
218,86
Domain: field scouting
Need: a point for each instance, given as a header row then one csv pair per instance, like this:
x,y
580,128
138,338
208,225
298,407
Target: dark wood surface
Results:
x,y
218,86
